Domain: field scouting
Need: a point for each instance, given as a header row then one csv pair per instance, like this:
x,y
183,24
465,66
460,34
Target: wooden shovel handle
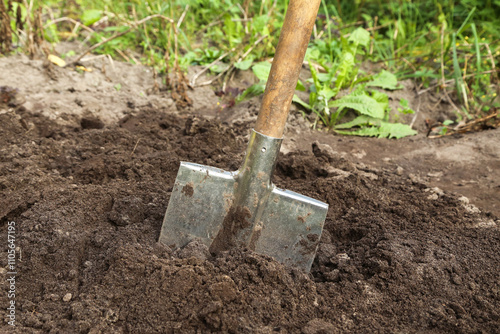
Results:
x,y
290,52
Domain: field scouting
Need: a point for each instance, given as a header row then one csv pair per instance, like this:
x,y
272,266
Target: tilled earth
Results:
x,y
88,204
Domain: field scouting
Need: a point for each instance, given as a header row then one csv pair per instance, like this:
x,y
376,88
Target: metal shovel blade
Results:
x,y
279,223
243,208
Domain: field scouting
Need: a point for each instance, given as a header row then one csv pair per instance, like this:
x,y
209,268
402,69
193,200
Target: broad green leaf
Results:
x,y
344,70
299,101
385,130
244,64
212,54
346,46
91,16
396,130
259,23
381,98
359,90
364,132
385,80
229,29
363,104
323,77
326,93
368,19
251,91
190,57
312,53
358,121
360,36
404,103
261,70
300,86
219,67
405,107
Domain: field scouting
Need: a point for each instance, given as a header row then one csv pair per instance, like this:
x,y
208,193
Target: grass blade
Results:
x,y
466,20
478,53
457,73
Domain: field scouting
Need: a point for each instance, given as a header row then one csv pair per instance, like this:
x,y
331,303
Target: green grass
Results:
x,y
445,45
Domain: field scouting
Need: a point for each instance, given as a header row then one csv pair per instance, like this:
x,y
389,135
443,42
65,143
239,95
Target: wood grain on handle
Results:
x,y
290,52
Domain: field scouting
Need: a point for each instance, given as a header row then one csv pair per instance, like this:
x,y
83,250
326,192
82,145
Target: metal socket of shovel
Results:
x,y
243,208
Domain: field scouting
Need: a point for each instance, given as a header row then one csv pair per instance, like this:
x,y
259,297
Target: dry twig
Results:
x,y
68,19
470,126
179,23
192,82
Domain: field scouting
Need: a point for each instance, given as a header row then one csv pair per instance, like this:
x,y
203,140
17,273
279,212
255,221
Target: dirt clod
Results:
x,y
91,123
188,189
127,210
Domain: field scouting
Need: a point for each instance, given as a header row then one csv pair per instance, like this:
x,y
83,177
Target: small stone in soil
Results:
x,y
67,297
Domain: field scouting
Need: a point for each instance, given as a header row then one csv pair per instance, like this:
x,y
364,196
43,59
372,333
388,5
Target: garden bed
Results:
x,y
88,189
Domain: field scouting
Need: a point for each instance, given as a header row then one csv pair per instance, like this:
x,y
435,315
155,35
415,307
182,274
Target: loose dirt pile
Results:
x,y
88,203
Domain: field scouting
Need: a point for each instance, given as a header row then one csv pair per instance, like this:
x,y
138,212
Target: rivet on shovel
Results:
x,y
243,208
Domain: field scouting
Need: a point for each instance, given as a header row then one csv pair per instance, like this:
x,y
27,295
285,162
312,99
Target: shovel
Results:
x,y
244,209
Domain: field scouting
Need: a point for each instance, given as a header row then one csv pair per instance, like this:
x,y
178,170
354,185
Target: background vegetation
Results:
x,y
449,46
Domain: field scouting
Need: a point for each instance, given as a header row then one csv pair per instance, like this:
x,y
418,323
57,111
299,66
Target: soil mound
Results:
x,y
88,203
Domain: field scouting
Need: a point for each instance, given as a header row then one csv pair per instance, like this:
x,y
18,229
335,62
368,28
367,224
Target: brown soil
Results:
x,y
88,195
